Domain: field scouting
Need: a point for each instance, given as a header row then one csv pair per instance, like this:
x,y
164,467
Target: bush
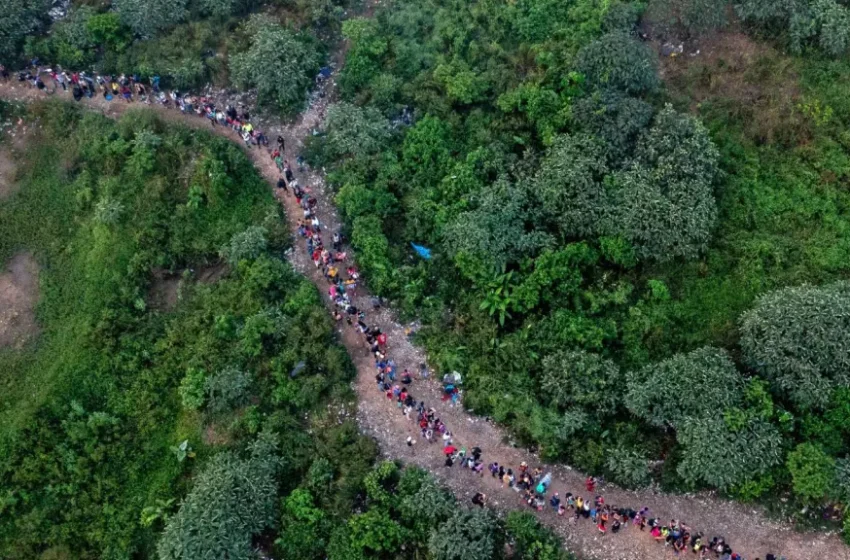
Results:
x,y
799,338
279,62
353,131
664,204
581,379
723,456
19,19
227,389
247,245
812,472
232,500
469,534
618,60
713,384
150,17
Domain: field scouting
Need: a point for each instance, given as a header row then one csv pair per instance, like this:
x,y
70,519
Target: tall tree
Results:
x,y
279,62
799,338
232,499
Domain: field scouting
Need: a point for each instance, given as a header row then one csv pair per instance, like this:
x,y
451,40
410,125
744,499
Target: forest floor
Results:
x,y
7,173
18,296
749,530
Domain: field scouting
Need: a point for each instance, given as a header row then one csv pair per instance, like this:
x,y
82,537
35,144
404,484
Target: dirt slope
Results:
x,y
745,527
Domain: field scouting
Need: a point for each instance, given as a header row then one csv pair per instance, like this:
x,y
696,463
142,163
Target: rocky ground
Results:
x,y
749,531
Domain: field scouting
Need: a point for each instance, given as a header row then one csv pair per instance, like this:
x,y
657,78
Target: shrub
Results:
x,y
279,62
354,131
799,338
232,500
247,245
716,454
699,384
581,379
226,389
18,19
618,60
812,471
467,535
150,17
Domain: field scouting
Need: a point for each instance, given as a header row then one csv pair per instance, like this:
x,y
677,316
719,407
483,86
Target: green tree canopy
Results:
x,y
664,204
822,22
279,62
578,378
353,131
500,228
703,383
721,455
469,534
149,17
618,60
812,471
232,499
570,185
18,19
799,338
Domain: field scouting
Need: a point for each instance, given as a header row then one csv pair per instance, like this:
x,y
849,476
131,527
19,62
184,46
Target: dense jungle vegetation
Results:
x,y
638,276
211,427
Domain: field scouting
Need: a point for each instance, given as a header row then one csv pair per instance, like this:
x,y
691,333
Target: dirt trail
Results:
x,y
749,531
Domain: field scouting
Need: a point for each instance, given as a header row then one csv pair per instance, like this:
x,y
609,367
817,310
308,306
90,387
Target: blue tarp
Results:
x,y
424,252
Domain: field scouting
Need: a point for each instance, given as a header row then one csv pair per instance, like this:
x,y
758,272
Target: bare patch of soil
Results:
x,y
164,291
216,435
212,273
731,74
18,296
7,174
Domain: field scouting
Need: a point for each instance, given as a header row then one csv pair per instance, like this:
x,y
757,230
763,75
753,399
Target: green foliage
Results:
x,y
495,232
700,384
467,535
533,542
580,379
353,131
100,411
664,205
570,185
825,23
812,471
226,389
739,454
703,16
232,499
619,61
150,17
797,338
629,467
279,62
18,19
246,245
192,388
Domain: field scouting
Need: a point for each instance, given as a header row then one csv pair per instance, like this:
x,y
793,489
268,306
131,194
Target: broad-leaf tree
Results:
x,y
799,338
280,62
702,383
232,500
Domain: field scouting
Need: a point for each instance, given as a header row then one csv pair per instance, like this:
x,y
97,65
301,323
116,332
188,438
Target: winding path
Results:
x,y
748,530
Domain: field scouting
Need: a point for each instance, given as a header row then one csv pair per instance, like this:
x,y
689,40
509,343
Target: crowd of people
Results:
x,y
531,485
